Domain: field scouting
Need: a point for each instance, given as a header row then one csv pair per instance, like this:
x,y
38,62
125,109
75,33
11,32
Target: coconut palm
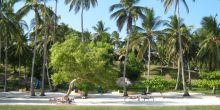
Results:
x,y
44,50
37,7
100,29
150,24
83,5
173,44
115,40
20,50
168,4
126,12
11,28
209,54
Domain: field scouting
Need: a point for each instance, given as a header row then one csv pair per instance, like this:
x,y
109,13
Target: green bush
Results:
x,y
86,87
156,84
204,83
86,61
210,75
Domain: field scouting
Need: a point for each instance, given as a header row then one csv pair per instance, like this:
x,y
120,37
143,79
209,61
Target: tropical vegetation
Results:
x,y
156,54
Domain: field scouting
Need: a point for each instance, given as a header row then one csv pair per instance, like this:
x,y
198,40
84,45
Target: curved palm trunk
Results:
x,y
70,89
34,53
82,24
44,66
6,63
44,52
178,76
125,64
148,65
181,54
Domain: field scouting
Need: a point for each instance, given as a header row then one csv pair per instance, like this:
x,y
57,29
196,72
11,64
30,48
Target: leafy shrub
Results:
x,y
73,59
156,84
86,87
204,83
210,75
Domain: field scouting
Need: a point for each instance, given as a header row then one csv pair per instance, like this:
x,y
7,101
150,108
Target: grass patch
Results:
x,y
7,107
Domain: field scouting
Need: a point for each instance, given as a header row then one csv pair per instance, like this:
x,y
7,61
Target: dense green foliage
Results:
x,y
134,68
210,75
208,80
157,84
88,62
204,83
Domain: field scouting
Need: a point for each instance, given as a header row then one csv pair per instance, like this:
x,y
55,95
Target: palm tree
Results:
x,y
44,50
173,43
10,27
20,50
55,20
100,30
115,39
209,34
83,5
37,7
126,13
167,5
149,28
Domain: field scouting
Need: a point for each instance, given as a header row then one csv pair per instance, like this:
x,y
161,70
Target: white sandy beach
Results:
x,y
108,99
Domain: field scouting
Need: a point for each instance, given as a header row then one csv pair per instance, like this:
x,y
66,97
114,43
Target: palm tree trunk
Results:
x,y
189,75
19,68
181,54
48,76
44,52
34,53
55,20
145,72
82,24
124,69
71,86
148,65
0,49
214,90
44,66
178,76
161,66
25,70
6,63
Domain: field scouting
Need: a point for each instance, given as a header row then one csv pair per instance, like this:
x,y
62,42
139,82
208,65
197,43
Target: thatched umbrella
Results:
x,y
121,82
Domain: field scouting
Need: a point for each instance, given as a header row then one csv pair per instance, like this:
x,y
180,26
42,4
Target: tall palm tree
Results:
x,y
10,27
20,50
37,7
167,5
126,13
55,21
44,49
150,24
173,42
209,54
83,5
100,30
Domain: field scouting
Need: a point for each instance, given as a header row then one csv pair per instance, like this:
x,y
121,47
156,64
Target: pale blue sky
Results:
x,y
198,10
